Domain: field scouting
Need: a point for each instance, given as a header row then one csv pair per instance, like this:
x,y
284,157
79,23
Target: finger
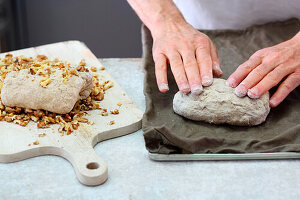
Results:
x,y
178,71
205,63
215,61
161,72
253,78
288,85
192,71
243,70
269,81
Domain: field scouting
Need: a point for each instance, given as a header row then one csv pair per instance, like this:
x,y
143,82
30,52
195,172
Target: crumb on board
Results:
x,y
119,104
36,142
102,68
93,69
114,112
111,122
42,134
42,66
103,113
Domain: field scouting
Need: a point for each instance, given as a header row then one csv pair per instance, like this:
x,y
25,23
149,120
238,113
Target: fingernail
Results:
x,y
185,88
207,81
197,89
241,90
231,82
163,87
273,102
253,93
217,67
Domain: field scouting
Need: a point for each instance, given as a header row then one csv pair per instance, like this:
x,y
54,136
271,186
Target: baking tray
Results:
x,y
212,157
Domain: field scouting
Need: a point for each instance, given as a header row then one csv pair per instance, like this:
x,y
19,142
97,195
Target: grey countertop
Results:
x,y
132,175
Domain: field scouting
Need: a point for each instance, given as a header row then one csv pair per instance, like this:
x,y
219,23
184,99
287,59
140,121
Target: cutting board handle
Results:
x,y
89,167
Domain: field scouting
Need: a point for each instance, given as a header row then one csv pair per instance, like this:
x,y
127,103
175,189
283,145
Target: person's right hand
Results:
x,y
191,54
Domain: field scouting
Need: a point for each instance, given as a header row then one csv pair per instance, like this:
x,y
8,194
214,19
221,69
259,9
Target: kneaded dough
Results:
x,y
218,104
21,89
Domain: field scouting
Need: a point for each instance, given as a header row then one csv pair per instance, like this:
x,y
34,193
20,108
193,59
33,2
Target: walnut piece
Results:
x,y
45,82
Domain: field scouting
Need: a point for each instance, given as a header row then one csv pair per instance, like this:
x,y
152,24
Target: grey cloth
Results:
x,y
166,132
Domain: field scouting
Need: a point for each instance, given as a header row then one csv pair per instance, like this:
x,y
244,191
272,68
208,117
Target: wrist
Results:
x,y
168,24
296,38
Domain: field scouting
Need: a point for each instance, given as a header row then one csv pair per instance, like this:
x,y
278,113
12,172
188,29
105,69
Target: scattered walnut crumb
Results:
x,y
93,69
84,120
42,135
74,72
119,104
29,145
42,124
41,57
36,142
114,112
92,123
45,82
102,68
107,85
111,122
104,113
82,63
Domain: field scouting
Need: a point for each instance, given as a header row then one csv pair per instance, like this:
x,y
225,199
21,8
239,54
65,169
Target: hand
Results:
x,y
266,68
191,54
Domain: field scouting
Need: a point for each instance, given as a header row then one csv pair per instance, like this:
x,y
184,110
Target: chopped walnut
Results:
x,y
114,112
74,72
8,119
82,63
111,122
84,120
93,69
41,57
108,84
42,135
36,142
42,124
104,114
45,82
99,96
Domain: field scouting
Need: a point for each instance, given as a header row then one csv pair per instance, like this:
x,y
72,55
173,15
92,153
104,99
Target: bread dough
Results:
x,y
218,104
21,89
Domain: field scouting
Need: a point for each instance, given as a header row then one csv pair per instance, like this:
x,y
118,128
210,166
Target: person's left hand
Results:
x,y
266,68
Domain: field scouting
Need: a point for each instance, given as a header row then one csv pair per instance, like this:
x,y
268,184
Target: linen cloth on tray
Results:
x,y
166,132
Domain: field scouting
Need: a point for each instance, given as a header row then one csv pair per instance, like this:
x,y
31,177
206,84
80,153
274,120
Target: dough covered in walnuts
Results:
x,y
219,105
51,93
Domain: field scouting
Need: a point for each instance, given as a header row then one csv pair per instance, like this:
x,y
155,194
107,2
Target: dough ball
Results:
x,y
218,104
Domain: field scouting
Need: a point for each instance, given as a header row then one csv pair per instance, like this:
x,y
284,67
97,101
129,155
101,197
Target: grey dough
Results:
x,y
22,89
218,104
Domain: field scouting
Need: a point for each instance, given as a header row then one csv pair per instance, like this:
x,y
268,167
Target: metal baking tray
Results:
x,y
207,157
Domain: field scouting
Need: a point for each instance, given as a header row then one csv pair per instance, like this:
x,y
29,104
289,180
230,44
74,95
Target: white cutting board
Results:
x,y
76,148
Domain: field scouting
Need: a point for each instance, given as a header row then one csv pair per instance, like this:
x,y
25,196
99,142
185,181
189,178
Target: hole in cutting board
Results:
x,y
92,165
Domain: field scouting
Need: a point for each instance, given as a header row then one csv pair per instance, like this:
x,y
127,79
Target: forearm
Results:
x,y
157,14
